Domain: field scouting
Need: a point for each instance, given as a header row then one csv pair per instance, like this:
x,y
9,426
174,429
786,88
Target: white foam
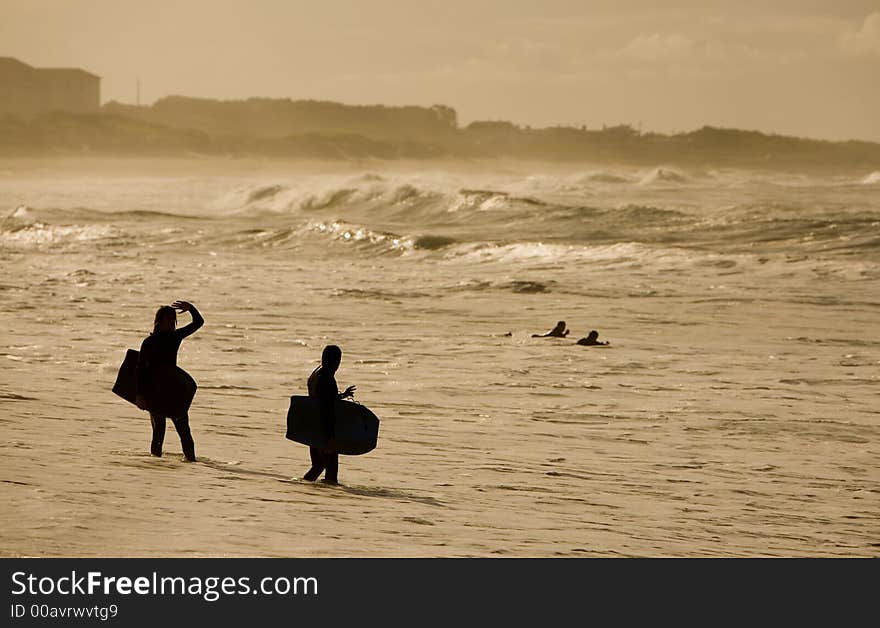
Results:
x,y
38,234
663,175
21,213
346,232
531,252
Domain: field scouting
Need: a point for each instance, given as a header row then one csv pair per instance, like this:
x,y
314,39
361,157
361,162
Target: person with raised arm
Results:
x,y
158,351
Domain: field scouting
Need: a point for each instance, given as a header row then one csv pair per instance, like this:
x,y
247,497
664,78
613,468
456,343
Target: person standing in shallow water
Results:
x,y
322,386
159,349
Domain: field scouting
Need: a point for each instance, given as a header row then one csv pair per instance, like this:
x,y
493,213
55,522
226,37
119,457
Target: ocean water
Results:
x,y
735,412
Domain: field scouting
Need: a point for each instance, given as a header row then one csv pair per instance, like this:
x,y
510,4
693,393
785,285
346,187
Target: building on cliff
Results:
x,y
26,91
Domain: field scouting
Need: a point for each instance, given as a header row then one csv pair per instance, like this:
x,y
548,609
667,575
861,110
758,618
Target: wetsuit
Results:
x,y
322,385
160,349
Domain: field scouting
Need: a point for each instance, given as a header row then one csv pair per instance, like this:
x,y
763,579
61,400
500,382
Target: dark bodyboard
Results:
x,y
357,428
170,394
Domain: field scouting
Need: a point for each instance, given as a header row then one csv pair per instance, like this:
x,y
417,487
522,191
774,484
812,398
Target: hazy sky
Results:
x,y
801,67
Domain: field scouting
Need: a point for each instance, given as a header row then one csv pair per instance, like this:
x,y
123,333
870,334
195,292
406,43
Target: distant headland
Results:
x,y
36,121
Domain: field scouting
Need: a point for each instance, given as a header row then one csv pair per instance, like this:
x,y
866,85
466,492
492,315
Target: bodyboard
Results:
x,y
170,394
357,428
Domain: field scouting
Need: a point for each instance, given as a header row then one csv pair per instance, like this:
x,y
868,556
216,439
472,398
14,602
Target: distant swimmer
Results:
x,y
557,332
158,351
322,385
592,340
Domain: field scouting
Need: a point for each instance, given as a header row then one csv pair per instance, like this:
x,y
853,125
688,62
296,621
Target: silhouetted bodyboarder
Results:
x,y
159,349
322,385
557,332
592,340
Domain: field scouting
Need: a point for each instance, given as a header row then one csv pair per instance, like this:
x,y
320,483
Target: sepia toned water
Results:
x,y
735,413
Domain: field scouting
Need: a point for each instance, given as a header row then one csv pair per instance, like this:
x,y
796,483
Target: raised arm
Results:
x,y
197,320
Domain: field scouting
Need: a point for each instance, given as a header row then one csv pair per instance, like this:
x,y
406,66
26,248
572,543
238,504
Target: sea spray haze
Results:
x,y
735,412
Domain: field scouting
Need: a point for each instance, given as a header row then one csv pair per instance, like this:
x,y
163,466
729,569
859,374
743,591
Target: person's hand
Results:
x,y
349,392
183,306
140,402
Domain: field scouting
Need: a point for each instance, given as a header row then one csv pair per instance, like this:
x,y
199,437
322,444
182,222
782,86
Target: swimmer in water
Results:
x,y
557,332
592,340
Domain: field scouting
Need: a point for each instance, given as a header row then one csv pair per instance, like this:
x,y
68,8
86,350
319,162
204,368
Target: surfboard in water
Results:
x,y
171,392
357,428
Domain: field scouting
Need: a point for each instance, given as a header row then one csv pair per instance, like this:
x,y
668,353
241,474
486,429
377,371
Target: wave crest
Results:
x,y
663,175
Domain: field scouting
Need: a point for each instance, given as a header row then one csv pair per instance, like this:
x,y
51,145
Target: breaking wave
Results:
x,y
663,175
507,219
21,229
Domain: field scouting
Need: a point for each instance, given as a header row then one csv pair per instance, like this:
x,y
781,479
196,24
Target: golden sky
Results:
x,y
802,67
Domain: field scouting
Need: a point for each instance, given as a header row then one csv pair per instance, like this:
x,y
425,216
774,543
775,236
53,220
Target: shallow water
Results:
x,y
734,414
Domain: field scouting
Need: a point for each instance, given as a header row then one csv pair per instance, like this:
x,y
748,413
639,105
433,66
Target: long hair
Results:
x,y
161,313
